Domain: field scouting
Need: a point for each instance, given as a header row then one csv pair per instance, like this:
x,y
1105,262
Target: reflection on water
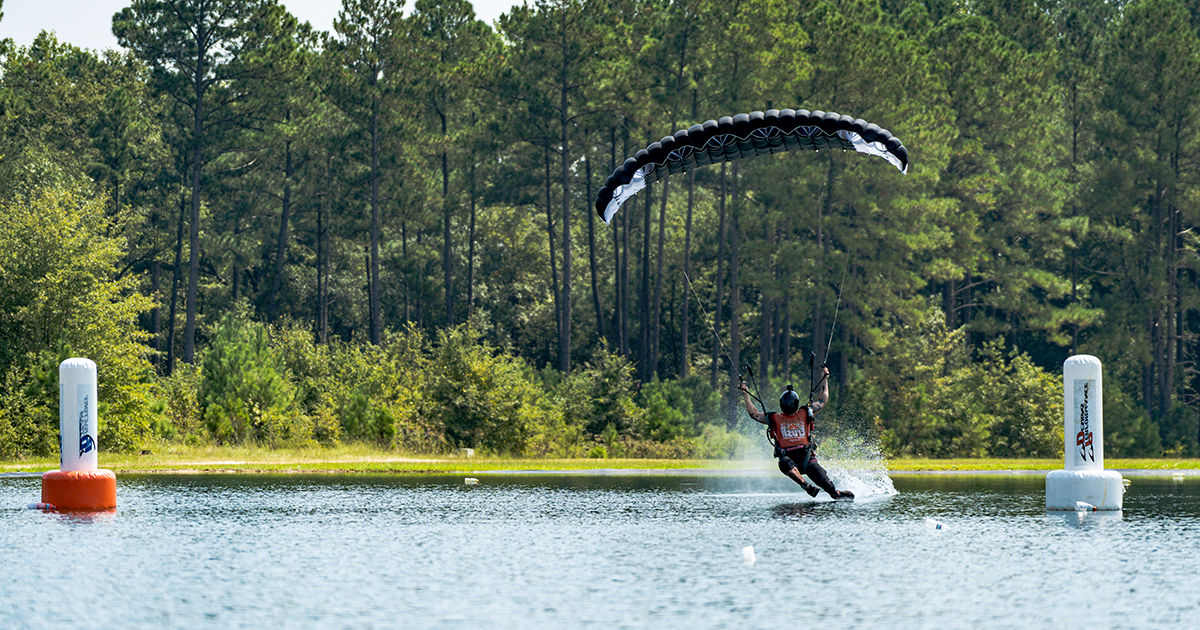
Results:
x,y
601,550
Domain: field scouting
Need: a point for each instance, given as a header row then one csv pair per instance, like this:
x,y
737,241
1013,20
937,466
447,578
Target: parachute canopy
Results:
x,y
744,136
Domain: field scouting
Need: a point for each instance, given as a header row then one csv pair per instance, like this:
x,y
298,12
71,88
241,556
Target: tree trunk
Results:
x,y
644,294
323,255
785,338
625,303
175,280
471,241
375,306
408,274
656,317
716,350
685,356
553,256
564,338
281,241
155,313
448,282
1168,387
615,342
189,330
766,334
735,292
592,251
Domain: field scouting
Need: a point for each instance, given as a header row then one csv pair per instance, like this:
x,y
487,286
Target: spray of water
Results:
x,y
850,450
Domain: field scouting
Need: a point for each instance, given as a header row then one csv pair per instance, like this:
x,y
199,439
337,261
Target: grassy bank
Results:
x,y
367,460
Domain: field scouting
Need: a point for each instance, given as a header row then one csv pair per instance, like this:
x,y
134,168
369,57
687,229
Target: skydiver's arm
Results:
x,y
755,414
823,397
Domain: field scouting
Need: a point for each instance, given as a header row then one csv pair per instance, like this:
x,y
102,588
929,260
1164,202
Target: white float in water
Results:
x,y
748,555
934,524
1083,478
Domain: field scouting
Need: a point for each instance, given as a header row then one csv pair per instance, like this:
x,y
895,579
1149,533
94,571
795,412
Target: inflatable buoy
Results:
x,y
80,489
1083,479
79,484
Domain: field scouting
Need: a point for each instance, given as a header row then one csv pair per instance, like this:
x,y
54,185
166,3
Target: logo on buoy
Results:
x,y
86,442
1083,439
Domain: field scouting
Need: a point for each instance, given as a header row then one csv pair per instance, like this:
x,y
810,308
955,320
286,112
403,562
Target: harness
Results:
x,y
780,453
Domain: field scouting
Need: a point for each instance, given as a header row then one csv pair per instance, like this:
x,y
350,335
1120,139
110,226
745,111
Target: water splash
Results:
x,y
853,456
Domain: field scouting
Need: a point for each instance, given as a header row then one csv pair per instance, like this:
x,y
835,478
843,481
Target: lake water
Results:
x,y
615,550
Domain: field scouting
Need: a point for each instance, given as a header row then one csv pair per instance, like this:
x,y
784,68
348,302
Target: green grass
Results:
x,y
988,464
367,459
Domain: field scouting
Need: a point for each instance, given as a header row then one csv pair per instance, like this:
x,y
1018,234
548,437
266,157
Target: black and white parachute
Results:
x,y
744,136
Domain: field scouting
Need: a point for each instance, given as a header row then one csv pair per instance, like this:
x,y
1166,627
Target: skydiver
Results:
x,y
791,430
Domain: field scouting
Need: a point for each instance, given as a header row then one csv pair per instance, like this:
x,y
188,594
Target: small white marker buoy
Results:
x,y
748,555
1178,476
42,506
934,524
1084,506
470,481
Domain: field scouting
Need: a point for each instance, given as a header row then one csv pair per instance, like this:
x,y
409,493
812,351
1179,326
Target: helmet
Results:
x,y
789,402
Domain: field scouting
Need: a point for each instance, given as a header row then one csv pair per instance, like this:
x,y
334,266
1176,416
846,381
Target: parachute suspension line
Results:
x,y
716,335
707,318
757,395
832,328
841,285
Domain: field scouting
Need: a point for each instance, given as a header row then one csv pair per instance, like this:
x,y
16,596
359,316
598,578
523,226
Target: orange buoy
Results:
x,y
80,489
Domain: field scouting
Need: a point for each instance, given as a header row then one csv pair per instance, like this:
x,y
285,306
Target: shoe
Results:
x,y
844,495
810,489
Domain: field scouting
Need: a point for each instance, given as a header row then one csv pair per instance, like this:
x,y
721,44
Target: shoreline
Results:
x,y
1184,473
359,459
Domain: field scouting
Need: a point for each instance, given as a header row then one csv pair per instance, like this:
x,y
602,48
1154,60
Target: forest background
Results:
x,y
267,234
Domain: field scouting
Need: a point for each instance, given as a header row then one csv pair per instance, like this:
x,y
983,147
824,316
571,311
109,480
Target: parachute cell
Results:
x,y
744,136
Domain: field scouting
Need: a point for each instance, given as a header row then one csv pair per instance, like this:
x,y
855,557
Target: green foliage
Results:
x,y
930,400
668,411
414,169
1027,403
600,397
484,399
243,397
60,288
1128,431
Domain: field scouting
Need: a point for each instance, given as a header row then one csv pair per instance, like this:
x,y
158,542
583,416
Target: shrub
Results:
x,y
601,395
668,411
243,397
485,399
60,290
930,400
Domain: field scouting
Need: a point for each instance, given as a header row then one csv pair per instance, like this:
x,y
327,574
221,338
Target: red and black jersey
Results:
x,y
791,431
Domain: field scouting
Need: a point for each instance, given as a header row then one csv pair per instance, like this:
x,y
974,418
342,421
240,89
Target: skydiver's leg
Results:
x,y
817,473
788,467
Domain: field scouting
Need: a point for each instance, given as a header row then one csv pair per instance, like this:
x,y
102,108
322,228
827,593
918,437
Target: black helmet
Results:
x,y
789,402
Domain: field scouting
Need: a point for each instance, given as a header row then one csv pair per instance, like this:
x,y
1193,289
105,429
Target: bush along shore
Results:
x,y
272,387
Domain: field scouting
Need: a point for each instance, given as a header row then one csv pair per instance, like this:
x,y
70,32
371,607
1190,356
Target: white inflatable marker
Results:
x,y
78,422
470,481
934,524
1083,478
748,555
